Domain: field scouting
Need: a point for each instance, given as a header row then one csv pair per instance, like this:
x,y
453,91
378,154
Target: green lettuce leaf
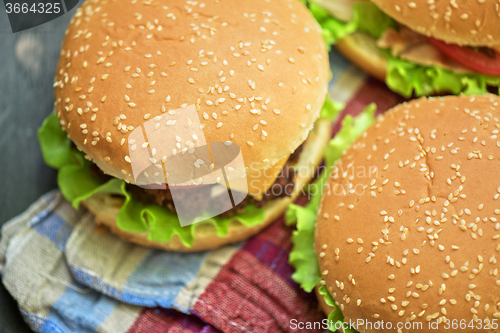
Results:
x,y
77,183
366,17
407,78
57,150
331,109
371,20
333,29
303,256
336,315
404,77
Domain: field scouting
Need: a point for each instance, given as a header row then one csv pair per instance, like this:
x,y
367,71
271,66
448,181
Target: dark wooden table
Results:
x,y
27,68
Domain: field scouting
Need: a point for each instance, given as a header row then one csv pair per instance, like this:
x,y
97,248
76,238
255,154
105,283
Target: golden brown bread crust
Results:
x,y
258,71
105,207
362,50
473,23
418,239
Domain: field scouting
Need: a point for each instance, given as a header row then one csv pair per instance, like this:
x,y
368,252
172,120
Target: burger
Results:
x,y
419,47
407,234
253,73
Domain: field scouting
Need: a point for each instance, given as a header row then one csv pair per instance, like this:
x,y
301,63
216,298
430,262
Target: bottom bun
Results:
x,y
362,50
105,207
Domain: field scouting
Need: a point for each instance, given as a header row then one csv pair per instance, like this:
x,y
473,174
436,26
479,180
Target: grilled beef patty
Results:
x,y
282,187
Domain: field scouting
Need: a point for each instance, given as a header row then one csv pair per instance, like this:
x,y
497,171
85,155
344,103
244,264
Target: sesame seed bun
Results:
x,y
105,207
472,23
416,236
256,70
361,49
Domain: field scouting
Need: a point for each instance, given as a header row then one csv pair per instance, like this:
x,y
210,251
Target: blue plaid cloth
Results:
x,y
68,278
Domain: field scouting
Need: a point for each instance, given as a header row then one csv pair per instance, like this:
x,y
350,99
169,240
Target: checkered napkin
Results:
x,y
69,276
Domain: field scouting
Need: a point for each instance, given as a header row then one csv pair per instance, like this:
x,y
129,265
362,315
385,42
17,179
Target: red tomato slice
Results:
x,y
469,57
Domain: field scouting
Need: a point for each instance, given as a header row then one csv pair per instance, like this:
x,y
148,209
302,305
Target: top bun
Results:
x,y
473,23
256,70
416,234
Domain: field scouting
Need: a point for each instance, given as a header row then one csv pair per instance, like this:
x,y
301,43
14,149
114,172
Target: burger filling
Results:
x,y
414,64
412,46
282,187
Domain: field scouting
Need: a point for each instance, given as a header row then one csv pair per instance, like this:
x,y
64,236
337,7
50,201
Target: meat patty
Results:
x,y
282,187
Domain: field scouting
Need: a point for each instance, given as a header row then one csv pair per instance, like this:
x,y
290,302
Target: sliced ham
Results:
x,y
409,45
